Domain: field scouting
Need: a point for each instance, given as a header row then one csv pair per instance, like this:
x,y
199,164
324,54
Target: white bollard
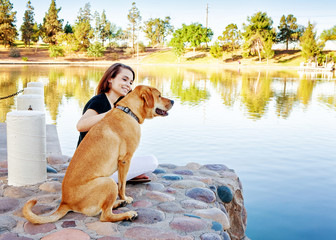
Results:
x,y
36,85
30,101
26,147
33,90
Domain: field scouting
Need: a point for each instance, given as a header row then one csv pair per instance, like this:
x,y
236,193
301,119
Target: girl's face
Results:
x,y
122,83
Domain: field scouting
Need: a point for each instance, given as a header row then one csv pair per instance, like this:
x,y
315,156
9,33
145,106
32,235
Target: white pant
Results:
x,y
139,165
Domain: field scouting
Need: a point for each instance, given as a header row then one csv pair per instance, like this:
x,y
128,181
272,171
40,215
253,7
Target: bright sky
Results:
x,y
221,12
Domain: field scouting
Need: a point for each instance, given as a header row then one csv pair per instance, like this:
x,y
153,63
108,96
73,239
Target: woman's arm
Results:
x,y
89,119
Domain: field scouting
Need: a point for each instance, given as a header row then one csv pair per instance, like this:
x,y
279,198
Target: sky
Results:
x,y
220,12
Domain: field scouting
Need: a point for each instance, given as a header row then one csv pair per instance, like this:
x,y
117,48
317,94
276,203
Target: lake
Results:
x,y
275,128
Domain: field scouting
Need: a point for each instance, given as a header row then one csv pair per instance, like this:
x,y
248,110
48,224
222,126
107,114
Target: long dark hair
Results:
x,y
111,72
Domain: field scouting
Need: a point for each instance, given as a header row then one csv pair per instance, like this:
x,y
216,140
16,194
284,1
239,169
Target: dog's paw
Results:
x,y
134,215
128,200
123,204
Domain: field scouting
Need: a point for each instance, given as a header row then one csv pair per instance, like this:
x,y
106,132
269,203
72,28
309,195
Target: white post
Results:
x,y
26,147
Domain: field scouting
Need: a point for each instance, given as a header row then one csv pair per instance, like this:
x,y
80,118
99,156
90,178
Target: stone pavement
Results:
x,y
181,202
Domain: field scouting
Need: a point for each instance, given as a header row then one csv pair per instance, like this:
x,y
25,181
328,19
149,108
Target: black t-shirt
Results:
x,y
100,104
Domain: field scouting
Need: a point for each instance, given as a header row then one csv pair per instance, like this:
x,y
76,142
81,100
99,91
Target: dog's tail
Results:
x,y
33,218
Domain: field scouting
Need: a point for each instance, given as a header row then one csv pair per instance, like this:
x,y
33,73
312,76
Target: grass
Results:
x,y
290,58
168,57
20,44
282,58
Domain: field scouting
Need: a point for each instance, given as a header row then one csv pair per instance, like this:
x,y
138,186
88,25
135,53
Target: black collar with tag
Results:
x,y
128,111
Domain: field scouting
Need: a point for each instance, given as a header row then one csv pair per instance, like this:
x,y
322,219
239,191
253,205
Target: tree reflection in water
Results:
x,y
253,90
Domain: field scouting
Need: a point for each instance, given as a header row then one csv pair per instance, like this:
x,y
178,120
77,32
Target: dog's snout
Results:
x,y
172,102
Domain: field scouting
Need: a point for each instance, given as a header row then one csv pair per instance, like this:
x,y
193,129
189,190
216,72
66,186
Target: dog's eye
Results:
x,y
159,96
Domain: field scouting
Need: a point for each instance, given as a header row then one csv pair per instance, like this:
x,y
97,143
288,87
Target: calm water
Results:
x,y
276,129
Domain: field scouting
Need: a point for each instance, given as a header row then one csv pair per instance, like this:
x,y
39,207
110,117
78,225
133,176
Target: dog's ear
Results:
x,y
148,97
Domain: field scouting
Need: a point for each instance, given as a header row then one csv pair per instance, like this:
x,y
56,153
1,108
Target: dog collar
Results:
x,y
128,111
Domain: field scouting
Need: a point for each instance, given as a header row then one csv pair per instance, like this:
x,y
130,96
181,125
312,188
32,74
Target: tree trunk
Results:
x,y
287,45
259,51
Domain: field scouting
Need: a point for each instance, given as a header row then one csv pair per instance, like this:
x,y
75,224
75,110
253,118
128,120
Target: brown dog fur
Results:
x,y
109,146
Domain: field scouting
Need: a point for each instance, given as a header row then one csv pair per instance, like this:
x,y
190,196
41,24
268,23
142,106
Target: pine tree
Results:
x,y
67,28
51,24
103,27
27,27
231,39
36,32
257,32
82,30
288,29
156,30
308,42
135,19
268,52
8,30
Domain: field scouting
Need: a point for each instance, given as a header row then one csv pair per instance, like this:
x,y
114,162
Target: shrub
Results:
x,y
216,50
56,51
14,52
114,56
142,47
128,51
331,57
113,45
25,59
95,50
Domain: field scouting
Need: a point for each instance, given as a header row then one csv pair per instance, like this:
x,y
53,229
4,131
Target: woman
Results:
x,y
115,84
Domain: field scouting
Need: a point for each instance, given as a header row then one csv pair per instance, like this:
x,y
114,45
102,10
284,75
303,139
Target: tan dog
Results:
x,y
109,146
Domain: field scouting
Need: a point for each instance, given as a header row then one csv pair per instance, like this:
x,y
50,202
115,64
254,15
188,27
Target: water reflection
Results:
x,y
253,90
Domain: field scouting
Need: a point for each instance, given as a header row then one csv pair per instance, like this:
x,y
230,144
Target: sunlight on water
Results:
x,y
276,129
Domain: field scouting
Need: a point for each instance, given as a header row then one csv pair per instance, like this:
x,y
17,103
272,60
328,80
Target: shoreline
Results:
x,y
108,63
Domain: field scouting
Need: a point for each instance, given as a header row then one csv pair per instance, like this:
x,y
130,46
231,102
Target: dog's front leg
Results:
x,y
123,166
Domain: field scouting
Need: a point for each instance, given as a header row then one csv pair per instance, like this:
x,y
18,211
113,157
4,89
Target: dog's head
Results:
x,y
147,102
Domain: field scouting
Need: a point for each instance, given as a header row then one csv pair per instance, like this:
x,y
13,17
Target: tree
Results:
x,y
8,30
177,42
82,30
288,30
195,34
135,19
36,32
258,31
231,38
156,30
308,42
27,27
268,52
103,27
51,24
68,42
67,28
329,34
115,32
167,29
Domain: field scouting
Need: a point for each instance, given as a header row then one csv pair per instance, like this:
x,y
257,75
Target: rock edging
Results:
x,y
181,202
